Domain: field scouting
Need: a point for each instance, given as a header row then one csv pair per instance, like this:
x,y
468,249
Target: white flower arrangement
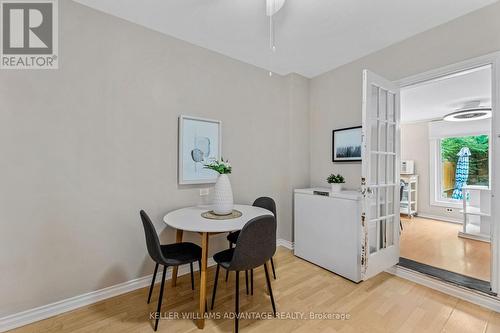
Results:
x,y
222,167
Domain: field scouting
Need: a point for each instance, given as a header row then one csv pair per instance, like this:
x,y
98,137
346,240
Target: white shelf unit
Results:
x,y
409,202
477,213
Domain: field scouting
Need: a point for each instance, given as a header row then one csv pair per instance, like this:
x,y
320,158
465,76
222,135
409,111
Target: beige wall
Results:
x,y
335,97
85,147
415,146
298,140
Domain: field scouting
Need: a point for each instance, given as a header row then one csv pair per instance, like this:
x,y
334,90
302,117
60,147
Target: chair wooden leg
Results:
x,y
215,286
246,281
192,275
251,282
237,302
270,289
272,266
158,309
152,283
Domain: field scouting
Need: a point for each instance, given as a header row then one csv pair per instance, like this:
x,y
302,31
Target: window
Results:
x,y
478,165
446,140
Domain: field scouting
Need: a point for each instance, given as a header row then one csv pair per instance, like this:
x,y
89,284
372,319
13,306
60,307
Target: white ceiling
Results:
x,y
312,36
435,99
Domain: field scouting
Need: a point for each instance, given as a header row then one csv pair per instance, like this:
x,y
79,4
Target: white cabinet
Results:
x,y
327,230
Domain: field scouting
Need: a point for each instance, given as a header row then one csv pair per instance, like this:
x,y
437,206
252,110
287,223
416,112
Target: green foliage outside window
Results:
x,y
478,161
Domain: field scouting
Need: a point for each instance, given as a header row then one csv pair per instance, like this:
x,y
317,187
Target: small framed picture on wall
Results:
x,y
346,144
200,142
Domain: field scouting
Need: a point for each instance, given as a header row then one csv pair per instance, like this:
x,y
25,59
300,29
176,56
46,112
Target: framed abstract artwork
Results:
x,y
200,141
346,144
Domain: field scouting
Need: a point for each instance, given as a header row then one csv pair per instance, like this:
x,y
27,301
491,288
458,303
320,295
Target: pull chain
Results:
x,y
272,46
272,7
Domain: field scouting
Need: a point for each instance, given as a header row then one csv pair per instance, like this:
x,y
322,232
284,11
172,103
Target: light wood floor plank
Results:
x,y
436,243
384,303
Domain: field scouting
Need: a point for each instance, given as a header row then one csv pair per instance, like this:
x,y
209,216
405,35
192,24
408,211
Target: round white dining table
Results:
x,y
190,219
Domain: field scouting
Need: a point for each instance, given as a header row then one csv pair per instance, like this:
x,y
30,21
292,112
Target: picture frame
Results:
x,y
346,144
200,141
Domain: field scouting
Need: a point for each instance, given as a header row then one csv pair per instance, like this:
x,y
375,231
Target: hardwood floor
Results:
x,y
384,303
436,243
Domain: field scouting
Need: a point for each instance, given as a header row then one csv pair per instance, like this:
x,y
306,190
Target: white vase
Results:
x,y
336,187
223,196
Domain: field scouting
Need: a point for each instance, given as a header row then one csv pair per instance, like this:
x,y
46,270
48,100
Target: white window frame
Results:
x,y
436,170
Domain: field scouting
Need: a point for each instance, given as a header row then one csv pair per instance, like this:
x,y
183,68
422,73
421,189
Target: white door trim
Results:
x,y
492,59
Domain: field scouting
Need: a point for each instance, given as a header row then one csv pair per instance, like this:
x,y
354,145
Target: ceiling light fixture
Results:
x,y
469,113
272,7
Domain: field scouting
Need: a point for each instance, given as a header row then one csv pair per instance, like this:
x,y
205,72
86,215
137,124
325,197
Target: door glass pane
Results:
x,y
382,137
390,107
382,108
373,210
390,169
372,237
374,169
382,169
390,204
374,135
390,231
391,143
373,205
374,102
382,202
382,234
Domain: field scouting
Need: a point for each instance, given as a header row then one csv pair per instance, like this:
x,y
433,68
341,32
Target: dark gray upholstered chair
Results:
x,y
256,244
402,185
167,255
262,202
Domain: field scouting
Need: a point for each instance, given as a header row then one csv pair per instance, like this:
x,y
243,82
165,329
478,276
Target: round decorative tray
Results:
x,y
212,216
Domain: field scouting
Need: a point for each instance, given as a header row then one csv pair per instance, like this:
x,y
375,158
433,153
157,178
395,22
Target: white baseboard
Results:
x,y
440,218
284,243
478,237
484,300
56,308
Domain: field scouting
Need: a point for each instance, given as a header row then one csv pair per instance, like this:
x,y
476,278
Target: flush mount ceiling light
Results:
x,y
272,7
468,114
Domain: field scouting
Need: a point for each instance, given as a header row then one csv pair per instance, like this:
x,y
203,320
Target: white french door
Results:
x,y
380,174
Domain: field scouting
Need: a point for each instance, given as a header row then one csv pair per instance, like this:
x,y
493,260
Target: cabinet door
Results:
x,y
327,233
